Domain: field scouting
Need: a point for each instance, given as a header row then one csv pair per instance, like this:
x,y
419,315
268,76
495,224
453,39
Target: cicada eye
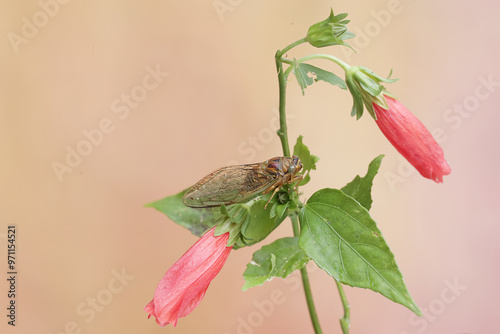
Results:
x,y
291,168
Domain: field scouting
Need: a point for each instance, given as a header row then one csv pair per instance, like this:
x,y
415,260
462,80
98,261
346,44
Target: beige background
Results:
x,y
218,105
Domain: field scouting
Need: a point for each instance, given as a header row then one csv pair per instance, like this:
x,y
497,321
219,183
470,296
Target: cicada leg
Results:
x,y
274,193
277,186
297,178
280,184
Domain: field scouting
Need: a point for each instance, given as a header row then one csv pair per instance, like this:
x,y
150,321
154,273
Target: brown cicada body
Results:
x,y
233,184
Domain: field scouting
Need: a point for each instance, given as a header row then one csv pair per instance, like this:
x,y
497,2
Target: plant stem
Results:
x,y
336,60
345,321
307,286
283,130
283,135
280,53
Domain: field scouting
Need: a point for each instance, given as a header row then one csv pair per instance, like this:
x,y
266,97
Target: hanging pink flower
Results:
x,y
412,139
183,286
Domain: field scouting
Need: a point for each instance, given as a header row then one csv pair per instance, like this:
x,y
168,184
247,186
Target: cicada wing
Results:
x,y
228,185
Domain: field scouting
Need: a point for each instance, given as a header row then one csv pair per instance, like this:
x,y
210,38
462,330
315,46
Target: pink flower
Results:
x,y
411,138
185,283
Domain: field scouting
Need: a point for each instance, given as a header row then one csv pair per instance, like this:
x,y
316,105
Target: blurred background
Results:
x,y
108,105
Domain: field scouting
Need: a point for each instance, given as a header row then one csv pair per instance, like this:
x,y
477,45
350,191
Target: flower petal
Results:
x,y
184,285
412,139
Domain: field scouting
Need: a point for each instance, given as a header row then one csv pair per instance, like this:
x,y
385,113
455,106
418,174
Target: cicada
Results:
x,y
233,184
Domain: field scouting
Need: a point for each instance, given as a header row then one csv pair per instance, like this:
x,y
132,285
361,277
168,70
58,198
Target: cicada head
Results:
x,y
294,165
284,165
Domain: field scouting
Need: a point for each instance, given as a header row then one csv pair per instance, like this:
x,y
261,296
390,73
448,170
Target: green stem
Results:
x,y
336,60
280,53
287,72
283,135
283,130
307,286
345,321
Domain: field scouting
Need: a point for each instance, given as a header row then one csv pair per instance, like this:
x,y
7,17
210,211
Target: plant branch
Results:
x,y
336,60
345,321
283,130
280,53
307,286
283,135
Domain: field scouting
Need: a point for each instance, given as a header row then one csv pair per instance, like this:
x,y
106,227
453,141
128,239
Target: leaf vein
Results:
x,y
356,252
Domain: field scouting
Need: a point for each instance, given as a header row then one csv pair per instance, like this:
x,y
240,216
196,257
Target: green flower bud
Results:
x,y
332,31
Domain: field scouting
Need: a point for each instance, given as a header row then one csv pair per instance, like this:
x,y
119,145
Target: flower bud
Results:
x,y
183,286
412,139
331,31
405,131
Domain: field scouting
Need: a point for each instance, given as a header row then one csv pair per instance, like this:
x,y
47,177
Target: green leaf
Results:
x,y
347,35
308,160
323,75
237,213
232,219
302,78
278,210
248,223
302,71
366,90
377,78
278,259
340,236
259,223
281,209
302,151
357,100
361,187
305,180
367,83
195,220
